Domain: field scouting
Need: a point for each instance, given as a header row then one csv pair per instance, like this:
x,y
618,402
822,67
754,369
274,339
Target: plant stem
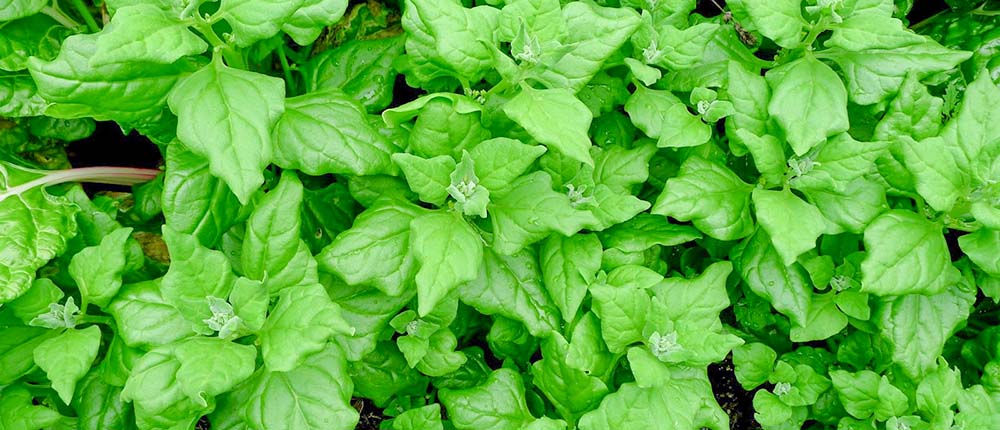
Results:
x,y
101,175
287,70
85,13
61,18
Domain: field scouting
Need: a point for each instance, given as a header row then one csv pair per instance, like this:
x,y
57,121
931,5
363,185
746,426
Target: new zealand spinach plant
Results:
x,y
502,214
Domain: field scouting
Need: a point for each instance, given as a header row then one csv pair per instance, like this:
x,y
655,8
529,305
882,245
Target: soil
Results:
x,y
371,416
737,402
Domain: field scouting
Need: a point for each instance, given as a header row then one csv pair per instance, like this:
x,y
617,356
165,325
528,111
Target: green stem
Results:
x,y
96,319
287,70
814,33
232,57
85,13
61,18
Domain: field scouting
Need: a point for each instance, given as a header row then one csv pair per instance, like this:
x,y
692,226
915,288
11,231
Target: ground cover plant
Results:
x,y
523,214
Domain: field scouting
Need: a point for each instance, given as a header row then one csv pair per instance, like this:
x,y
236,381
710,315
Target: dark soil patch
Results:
x,y
371,415
737,402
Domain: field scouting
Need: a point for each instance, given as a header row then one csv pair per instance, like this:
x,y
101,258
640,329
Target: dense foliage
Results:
x,y
523,214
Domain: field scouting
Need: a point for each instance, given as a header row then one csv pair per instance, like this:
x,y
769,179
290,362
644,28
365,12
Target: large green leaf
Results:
x,y
327,131
537,110
809,102
145,33
36,226
226,115
449,253
709,195
906,254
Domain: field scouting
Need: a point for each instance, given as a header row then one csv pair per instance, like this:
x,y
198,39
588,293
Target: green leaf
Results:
x,y
122,91
709,195
36,301
98,405
172,384
18,410
572,391
663,116
195,273
537,110
937,175
272,251
144,319
327,131
529,210
299,325
780,21
851,209
381,233
510,286
67,357
906,254
256,20
753,363
792,224
749,94
876,53
449,253
620,167
622,302
981,248
32,36
226,115
680,396
443,38
594,33
310,19
360,68
823,321
500,161
569,265
809,101
498,403
645,231
14,9
787,287
19,96
194,201
428,177
39,228
16,347
917,326
313,396
98,269
423,418
671,47
839,162
145,33
913,112
864,394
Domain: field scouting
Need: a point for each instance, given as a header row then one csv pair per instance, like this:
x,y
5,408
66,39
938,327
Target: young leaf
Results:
x,y
144,319
711,196
537,110
498,403
449,252
381,233
67,357
256,20
500,161
327,131
808,101
272,251
509,286
792,224
529,211
194,201
907,254
313,396
98,270
569,265
428,177
226,115
309,20
145,33
780,21
663,116
299,325
917,326
195,273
